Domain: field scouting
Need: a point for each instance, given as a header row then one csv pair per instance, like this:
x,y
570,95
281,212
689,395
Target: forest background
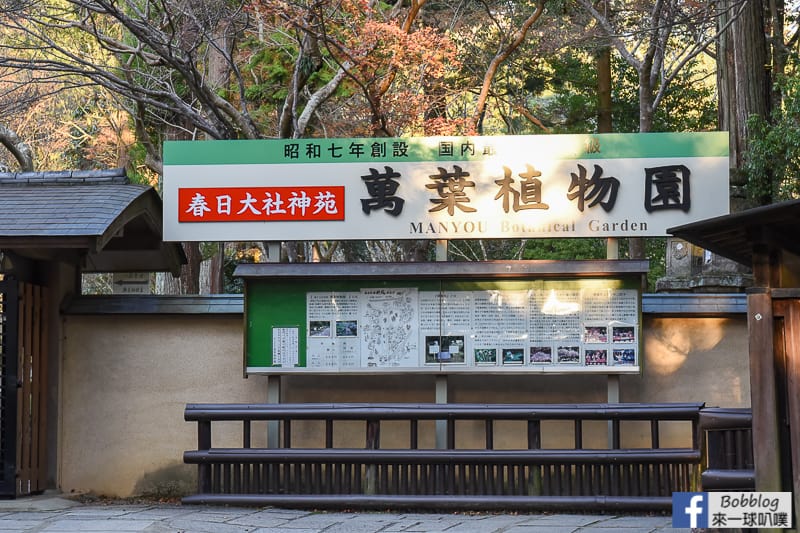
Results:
x,y
101,84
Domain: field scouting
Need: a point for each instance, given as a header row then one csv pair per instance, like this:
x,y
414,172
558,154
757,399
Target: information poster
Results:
x,y
332,325
285,346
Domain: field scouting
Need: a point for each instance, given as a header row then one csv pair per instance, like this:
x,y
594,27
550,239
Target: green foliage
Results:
x,y
688,105
564,95
567,102
137,172
232,258
565,249
656,253
772,160
268,65
596,248
271,69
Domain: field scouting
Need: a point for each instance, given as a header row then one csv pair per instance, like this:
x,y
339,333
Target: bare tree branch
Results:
x,y
518,38
18,148
652,50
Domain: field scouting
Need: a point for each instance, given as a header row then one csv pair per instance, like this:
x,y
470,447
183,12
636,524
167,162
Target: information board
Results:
x,y
437,325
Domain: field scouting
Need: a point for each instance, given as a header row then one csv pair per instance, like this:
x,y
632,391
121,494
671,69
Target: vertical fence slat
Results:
x,y
534,434
654,436
287,433
24,408
37,468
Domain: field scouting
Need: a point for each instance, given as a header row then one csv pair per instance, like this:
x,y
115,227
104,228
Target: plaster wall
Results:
x,y
125,380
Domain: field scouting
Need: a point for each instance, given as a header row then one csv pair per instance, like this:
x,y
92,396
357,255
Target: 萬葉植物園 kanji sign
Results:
x,y
608,185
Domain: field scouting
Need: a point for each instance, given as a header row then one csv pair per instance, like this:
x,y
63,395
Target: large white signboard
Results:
x,y
609,185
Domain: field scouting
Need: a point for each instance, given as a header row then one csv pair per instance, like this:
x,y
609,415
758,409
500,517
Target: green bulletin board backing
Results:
x,y
276,297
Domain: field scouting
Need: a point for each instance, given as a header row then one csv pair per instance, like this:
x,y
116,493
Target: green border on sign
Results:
x,y
421,149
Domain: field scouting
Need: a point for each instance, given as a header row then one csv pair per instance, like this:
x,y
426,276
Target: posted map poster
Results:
x,y
389,329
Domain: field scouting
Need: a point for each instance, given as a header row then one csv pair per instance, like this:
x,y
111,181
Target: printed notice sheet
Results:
x,y
332,340
285,346
445,326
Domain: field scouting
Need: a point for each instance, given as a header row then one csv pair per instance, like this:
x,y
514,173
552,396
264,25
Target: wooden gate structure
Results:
x,y
23,387
766,238
56,225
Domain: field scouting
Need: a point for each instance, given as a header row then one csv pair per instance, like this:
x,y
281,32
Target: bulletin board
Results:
x,y
501,317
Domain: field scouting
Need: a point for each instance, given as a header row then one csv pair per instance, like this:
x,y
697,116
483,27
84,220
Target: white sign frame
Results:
x,y
612,185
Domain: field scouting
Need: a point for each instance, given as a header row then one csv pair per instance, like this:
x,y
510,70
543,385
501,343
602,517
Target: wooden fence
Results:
x,y
576,477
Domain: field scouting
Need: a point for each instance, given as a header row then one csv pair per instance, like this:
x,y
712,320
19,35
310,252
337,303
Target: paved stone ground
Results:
x,y
52,513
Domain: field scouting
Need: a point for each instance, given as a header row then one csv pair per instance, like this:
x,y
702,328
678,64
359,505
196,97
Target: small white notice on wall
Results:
x,y
285,346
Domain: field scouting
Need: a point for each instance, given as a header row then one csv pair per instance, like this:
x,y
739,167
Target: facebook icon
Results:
x,y
690,509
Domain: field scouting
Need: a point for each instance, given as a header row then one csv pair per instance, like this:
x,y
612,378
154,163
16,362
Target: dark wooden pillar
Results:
x,y
763,399
786,305
766,448
773,322
793,372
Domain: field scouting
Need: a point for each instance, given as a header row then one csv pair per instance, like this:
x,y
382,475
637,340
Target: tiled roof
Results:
x,y
84,210
64,210
734,236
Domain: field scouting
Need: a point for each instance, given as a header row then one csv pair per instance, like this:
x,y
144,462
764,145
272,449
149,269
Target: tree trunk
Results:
x,y
190,272
726,83
645,101
780,54
293,252
603,63
743,83
604,117
216,271
636,245
416,250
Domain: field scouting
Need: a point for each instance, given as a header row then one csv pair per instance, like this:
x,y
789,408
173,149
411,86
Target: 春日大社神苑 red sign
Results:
x,y
251,204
